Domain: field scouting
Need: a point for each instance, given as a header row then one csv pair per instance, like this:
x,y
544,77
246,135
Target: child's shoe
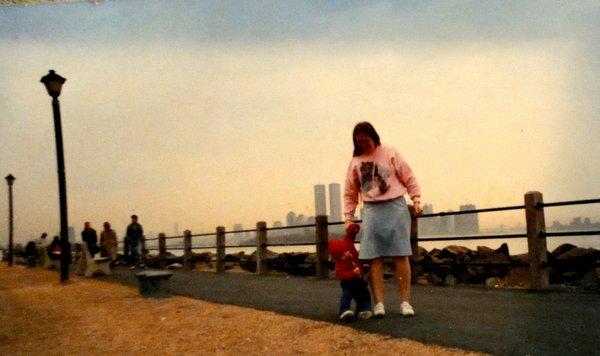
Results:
x,y
406,309
347,315
379,310
366,314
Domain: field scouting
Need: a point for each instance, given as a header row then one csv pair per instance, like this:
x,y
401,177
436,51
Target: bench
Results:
x,y
154,284
88,266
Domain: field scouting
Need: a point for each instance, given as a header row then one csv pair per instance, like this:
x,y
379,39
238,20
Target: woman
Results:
x,y
108,242
380,177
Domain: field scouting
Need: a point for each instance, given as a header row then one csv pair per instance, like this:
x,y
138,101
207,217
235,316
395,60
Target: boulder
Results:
x,y
503,249
591,280
450,280
564,248
577,259
492,282
456,253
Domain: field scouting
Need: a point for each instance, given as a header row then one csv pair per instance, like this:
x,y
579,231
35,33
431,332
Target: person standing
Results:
x,y
380,177
108,242
90,237
134,235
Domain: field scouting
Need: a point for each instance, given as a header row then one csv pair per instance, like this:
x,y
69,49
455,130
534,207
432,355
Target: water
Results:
x,y
515,246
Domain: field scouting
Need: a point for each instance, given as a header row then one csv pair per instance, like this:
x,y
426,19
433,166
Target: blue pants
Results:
x,y
358,290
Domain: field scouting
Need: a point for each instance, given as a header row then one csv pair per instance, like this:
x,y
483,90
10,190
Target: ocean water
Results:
x,y
515,246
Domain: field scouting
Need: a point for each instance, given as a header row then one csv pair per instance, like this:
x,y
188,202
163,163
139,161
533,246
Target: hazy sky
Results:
x,y
213,113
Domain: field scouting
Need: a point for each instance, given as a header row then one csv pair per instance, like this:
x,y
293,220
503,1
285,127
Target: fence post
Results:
x,y
143,249
220,249
414,244
261,248
187,249
536,241
321,235
162,248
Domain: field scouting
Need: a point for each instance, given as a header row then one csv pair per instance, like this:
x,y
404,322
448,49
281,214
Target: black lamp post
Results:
x,y
53,83
10,180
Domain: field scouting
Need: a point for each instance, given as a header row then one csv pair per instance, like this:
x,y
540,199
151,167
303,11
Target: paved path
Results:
x,y
506,322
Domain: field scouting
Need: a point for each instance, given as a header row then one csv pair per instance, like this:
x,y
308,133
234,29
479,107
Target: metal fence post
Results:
x,y
321,235
539,272
187,249
220,243
144,252
261,248
414,244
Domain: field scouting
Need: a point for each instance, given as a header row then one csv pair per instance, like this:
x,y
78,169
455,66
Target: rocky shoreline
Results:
x,y
570,266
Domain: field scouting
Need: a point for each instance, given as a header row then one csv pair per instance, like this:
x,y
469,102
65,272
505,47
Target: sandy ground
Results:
x,y
39,315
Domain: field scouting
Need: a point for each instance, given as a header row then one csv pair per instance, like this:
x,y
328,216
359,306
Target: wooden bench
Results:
x,y
88,266
154,284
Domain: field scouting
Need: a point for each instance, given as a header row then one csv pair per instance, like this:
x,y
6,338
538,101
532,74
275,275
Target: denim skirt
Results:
x,y
385,230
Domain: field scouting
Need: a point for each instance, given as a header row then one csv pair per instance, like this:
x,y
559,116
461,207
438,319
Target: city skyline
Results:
x,y
234,117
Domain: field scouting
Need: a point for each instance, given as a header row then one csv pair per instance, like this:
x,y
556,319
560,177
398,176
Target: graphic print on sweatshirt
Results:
x,y
373,179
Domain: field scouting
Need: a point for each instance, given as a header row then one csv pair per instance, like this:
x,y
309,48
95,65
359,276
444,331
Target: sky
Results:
x,y
212,113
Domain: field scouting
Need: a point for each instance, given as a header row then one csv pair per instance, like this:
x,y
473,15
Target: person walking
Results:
x,y
90,237
380,177
134,235
108,242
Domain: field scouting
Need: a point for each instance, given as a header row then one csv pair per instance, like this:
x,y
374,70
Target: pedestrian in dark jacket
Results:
x,y
134,235
90,237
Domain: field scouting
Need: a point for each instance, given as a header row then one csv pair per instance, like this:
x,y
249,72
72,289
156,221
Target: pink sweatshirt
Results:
x,y
382,175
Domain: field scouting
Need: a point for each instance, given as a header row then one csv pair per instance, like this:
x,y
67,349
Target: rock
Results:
x,y
450,280
503,249
522,258
456,253
484,249
492,282
175,266
433,278
564,248
577,259
591,280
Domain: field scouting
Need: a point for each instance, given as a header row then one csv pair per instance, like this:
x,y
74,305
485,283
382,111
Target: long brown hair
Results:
x,y
364,128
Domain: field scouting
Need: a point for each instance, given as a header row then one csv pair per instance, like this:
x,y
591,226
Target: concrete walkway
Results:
x,y
503,322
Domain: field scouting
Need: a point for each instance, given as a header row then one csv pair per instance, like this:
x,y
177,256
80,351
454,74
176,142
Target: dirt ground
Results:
x,y
85,316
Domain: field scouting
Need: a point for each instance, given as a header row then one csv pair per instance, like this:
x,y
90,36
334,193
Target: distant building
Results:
x,y
467,223
335,202
237,227
277,224
320,201
291,219
176,229
447,224
310,220
301,220
428,226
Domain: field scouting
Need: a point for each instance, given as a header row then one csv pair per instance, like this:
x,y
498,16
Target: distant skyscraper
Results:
x,y
291,218
447,224
301,220
277,224
467,223
320,201
176,229
335,202
238,227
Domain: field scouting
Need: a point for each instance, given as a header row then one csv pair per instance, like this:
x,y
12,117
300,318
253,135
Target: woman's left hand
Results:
x,y
418,208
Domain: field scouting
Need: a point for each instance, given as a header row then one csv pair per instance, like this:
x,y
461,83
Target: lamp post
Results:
x,y
10,180
53,83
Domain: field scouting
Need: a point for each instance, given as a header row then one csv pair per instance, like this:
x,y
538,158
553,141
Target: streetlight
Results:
x,y
10,180
53,83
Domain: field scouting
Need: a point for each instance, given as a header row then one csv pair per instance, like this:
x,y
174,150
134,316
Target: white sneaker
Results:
x,y
367,314
406,309
347,315
379,310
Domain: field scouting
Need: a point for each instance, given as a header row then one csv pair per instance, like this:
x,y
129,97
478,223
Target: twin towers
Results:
x,y
335,202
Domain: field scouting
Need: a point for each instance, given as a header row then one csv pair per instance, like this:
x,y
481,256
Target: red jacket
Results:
x,y
343,252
